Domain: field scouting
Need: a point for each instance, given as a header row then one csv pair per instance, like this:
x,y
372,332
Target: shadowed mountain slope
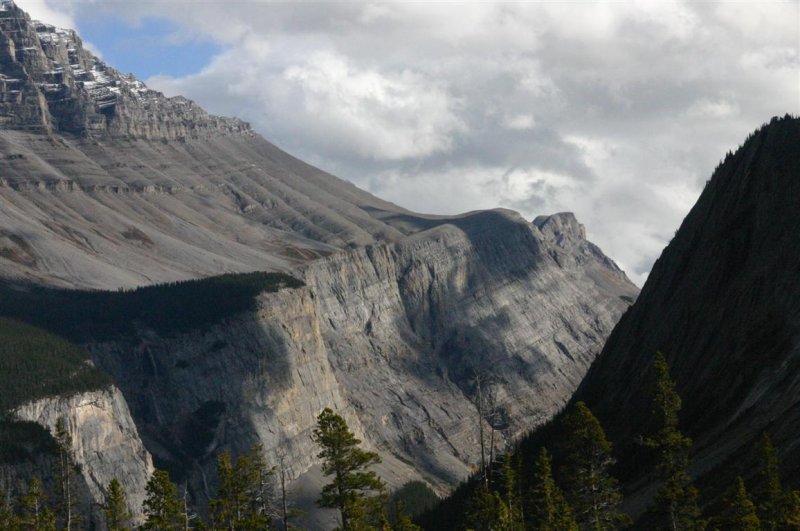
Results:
x,y
723,304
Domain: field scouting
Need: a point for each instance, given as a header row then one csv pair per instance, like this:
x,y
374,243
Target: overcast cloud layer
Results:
x,y
617,111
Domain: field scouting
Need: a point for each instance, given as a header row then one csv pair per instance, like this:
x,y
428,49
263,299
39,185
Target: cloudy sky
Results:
x,y
617,111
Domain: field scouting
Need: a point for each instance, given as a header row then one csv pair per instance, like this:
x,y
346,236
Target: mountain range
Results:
x,y
388,316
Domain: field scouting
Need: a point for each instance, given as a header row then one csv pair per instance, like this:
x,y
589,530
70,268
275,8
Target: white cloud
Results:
x,y
618,111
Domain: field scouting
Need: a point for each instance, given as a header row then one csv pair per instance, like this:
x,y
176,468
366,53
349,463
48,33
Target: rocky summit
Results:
x,y
105,184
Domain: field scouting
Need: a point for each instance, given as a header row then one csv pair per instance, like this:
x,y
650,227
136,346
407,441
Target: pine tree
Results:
x,y
791,518
66,490
241,502
34,513
768,494
676,500
592,491
115,507
8,520
162,508
740,514
511,493
546,509
347,463
487,511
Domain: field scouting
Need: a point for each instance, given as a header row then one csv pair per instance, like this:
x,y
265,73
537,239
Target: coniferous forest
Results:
x,y
570,486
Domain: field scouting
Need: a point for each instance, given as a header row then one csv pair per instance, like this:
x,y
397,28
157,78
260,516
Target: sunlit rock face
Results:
x,y
104,441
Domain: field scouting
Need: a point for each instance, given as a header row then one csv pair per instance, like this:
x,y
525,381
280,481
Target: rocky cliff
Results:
x,y
393,336
50,82
105,442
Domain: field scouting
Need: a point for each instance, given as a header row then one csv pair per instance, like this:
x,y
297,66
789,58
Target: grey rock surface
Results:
x,y
105,442
392,336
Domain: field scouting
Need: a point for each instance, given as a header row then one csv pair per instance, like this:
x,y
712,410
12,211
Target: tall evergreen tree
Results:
x,y
35,515
8,520
546,508
115,507
488,512
768,494
66,488
352,484
511,492
162,507
740,513
792,515
241,499
591,490
676,499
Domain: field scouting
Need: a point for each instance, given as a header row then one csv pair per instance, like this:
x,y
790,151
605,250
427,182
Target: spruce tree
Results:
x,y
350,488
792,515
115,507
676,499
546,509
487,511
511,493
591,490
162,507
740,514
241,499
768,494
8,520
35,515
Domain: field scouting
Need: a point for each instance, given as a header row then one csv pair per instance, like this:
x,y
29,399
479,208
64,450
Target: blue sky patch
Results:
x,y
149,48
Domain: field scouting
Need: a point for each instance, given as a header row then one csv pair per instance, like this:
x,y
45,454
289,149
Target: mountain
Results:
x,y
111,184
722,303
387,316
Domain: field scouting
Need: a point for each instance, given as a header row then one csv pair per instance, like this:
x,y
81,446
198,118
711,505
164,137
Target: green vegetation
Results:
x,y
573,488
740,514
547,508
413,498
355,491
115,507
592,491
167,309
36,364
162,507
243,493
24,441
676,500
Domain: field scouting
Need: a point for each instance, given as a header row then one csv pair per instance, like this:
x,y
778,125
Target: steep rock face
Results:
x,y
392,335
723,304
105,441
50,82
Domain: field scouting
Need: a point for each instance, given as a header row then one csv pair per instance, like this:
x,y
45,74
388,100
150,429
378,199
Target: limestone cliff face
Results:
x,y
392,336
104,439
50,82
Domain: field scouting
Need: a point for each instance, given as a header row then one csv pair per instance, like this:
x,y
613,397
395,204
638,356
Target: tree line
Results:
x,y
575,492
586,496
250,496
